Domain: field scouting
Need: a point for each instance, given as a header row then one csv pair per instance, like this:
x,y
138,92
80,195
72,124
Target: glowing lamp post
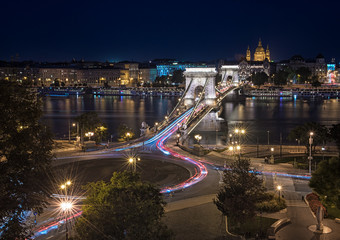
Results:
x,y
279,187
65,185
89,135
272,156
128,135
66,206
69,130
133,161
239,132
238,148
310,152
198,138
156,125
178,136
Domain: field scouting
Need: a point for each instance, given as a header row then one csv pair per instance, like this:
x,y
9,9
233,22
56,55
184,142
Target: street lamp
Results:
x,y
310,152
238,148
133,161
298,141
239,132
268,137
156,125
69,130
178,136
279,187
66,208
198,138
89,135
272,155
128,135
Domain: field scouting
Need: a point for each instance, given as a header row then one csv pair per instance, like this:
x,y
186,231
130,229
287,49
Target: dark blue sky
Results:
x,y
185,30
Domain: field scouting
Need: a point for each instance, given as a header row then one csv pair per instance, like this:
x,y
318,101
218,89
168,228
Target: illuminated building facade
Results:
x,y
129,73
147,75
260,54
317,66
167,69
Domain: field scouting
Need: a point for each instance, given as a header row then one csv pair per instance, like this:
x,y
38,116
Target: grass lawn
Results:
x,y
258,225
333,211
301,161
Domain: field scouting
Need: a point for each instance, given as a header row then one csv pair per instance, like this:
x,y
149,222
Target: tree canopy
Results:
x,y
335,134
124,208
320,133
178,77
259,78
280,77
90,122
241,191
125,133
326,181
303,74
25,157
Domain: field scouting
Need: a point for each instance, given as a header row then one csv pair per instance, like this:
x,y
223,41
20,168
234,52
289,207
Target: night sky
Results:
x,y
184,30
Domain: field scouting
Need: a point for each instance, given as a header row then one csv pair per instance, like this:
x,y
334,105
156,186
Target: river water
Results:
x,y
256,115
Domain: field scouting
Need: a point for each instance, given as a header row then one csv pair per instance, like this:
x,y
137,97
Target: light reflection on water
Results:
x,y
113,110
258,115
280,115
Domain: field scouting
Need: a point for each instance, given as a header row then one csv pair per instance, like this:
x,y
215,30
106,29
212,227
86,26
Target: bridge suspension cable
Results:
x,y
178,104
207,110
198,102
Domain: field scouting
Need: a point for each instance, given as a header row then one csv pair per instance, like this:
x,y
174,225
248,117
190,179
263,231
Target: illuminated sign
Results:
x,y
330,67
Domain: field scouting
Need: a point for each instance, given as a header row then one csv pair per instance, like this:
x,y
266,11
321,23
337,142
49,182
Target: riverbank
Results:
x,y
79,91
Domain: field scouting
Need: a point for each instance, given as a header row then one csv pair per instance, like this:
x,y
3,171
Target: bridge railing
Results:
x,y
199,116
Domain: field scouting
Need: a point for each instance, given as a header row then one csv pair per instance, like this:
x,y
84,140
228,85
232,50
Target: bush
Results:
x,y
271,204
314,205
312,196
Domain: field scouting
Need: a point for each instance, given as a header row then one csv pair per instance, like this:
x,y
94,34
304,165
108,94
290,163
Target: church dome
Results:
x,y
259,49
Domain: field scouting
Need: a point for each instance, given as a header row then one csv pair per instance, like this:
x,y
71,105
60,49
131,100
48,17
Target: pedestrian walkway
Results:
x,y
189,202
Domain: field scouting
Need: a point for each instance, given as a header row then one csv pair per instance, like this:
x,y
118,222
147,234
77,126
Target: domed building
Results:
x,y
260,54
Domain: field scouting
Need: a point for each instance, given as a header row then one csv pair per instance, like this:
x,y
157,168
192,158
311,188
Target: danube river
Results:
x,y
257,115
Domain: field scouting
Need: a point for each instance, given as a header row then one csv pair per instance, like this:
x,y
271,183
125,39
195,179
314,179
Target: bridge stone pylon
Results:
x,y
229,71
196,79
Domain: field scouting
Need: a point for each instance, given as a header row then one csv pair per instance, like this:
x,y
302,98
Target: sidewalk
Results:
x,y
293,190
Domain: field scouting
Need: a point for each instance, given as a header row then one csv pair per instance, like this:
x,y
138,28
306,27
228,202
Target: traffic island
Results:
x,y
276,226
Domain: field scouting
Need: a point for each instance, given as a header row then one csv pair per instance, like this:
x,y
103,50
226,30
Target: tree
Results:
x,y
237,199
124,208
259,79
106,85
90,122
280,77
325,181
161,81
178,77
125,133
25,157
218,79
320,134
56,82
315,81
303,74
335,134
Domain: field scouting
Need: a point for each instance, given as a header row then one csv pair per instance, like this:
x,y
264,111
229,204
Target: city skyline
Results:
x,y
187,31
